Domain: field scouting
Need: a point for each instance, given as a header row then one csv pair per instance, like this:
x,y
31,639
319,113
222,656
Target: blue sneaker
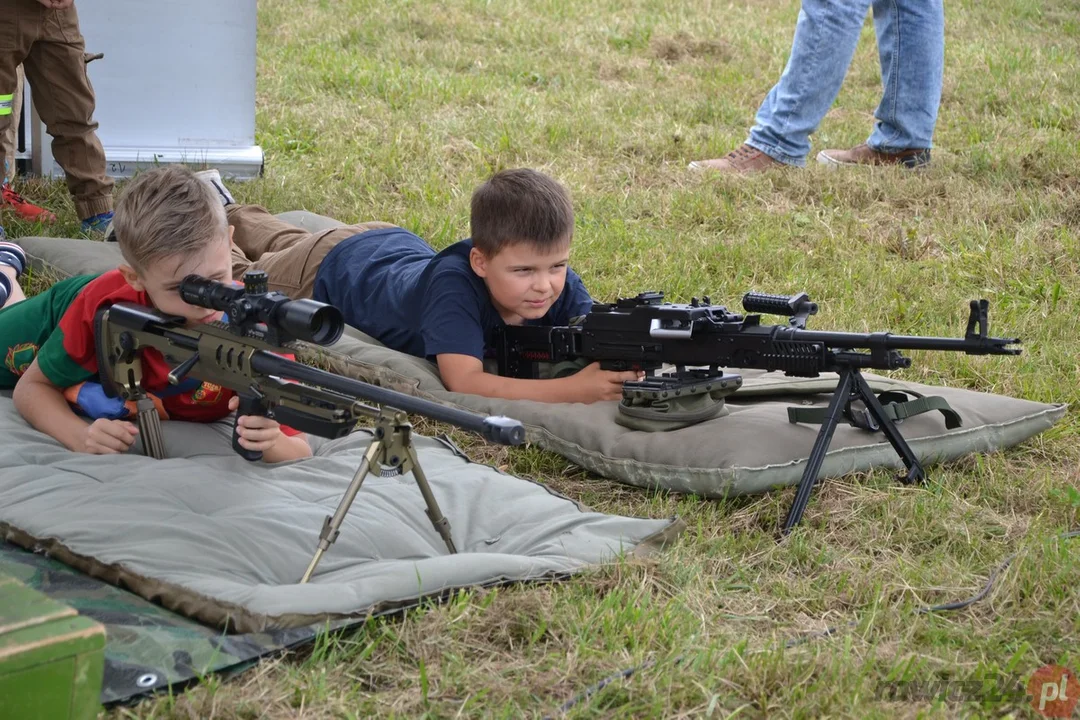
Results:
x,y
98,223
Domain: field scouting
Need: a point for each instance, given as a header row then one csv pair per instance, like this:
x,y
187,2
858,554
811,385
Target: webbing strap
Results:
x,y
894,410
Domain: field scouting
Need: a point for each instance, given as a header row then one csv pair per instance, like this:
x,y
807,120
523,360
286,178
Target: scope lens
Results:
x,y
311,321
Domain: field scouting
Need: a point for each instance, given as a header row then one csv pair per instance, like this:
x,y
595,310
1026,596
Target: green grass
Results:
x,y
397,110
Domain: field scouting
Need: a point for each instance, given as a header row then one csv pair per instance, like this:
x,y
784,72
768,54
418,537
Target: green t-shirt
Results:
x,y
25,328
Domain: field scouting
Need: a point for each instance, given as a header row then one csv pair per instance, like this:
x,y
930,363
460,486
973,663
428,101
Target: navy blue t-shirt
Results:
x,y
392,285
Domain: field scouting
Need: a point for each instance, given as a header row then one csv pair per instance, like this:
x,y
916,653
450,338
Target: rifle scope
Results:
x,y
304,319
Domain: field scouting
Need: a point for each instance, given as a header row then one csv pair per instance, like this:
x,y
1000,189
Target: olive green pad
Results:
x,y
751,449
225,541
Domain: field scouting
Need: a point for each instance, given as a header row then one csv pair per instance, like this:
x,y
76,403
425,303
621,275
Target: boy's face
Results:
x,y
162,281
524,282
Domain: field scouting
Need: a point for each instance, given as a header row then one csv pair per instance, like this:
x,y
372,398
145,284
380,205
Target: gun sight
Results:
x,y
252,304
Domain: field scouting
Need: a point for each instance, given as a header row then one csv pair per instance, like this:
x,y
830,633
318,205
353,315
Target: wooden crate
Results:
x,y
51,658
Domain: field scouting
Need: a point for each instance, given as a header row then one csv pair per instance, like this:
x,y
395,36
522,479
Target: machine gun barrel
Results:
x,y
889,341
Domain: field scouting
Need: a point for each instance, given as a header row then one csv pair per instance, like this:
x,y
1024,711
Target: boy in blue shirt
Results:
x,y
444,306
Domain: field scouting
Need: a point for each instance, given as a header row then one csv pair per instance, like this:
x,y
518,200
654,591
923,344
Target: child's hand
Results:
x,y
257,432
594,384
106,437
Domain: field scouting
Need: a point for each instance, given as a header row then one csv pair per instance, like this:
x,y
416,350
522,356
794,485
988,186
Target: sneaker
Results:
x,y
13,256
23,208
98,223
865,155
743,159
5,289
213,178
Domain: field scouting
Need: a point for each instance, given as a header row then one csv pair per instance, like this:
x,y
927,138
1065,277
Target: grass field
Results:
x,y
397,110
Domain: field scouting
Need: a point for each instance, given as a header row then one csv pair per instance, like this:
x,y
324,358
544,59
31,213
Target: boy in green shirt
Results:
x,y
168,225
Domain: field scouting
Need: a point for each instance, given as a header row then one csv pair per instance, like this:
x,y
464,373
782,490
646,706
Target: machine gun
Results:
x,y
645,333
243,353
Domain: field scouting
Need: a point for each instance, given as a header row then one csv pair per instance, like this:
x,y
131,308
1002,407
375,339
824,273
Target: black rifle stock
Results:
x,y
645,333
243,354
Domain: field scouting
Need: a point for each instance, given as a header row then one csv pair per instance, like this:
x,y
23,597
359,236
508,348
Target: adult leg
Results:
x,y
9,145
11,106
911,46
63,96
826,36
17,33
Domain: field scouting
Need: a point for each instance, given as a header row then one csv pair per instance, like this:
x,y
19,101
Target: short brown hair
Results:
x,y
167,212
520,206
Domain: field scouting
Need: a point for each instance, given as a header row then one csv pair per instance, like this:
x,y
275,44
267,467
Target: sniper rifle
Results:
x,y
243,352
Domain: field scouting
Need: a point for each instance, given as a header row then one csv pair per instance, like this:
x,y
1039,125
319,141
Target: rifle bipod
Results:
x,y
852,386
392,448
129,365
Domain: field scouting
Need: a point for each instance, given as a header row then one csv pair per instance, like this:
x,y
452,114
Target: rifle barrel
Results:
x,y
496,428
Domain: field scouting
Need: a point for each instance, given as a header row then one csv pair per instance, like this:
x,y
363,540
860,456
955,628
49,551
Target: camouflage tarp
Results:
x,y
147,647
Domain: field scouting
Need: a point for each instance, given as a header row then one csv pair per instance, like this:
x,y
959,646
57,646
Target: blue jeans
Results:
x,y
911,48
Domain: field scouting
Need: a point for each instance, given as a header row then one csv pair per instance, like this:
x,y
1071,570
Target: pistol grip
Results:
x,y
249,405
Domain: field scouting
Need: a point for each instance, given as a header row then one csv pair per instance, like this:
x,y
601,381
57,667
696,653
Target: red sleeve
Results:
x,y
68,357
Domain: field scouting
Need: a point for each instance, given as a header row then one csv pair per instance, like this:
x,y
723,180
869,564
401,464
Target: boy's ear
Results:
x,y
232,229
131,277
479,262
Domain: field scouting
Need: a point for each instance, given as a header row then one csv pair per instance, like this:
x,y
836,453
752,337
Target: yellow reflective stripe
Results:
x,y
6,101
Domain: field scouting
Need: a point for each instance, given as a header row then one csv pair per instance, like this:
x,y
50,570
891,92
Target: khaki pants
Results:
x,y
51,50
289,255
10,140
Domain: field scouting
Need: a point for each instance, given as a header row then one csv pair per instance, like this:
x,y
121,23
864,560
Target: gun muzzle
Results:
x,y
503,430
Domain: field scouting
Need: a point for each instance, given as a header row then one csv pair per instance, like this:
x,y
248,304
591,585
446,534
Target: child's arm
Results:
x,y
262,433
465,374
44,406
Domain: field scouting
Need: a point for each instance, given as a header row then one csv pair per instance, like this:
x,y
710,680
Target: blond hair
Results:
x,y
167,212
